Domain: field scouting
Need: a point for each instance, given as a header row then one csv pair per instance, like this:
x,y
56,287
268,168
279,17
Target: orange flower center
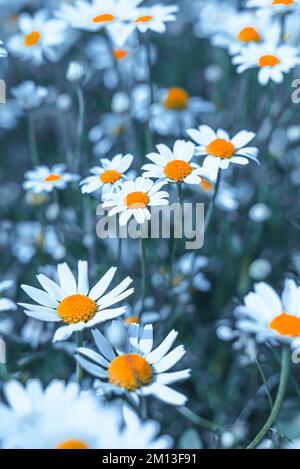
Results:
x,y
137,200
52,177
178,170
110,176
206,184
177,99
77,308
120,54
221,148
103,18
143,19
286,324
268,61
282,2
32,39
72,444
248,35
130,371
132,320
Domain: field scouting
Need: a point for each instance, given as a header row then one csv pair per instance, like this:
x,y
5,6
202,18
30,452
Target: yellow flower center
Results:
x,y
286,324
72,444
52,177
221,148
110,176
132,320
130,371
77,308
268,61
282,2
136,200
143,19
178,170
206,184
103,18
32,39
177,99
120,54
248,35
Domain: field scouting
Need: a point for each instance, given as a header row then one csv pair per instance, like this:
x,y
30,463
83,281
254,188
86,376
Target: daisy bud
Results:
x,y
76,72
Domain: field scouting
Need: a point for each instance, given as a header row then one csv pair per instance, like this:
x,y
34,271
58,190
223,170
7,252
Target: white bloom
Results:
x,y
134,198
44,179
3,52
271,61
108,175
155,18
5,303
141,371
75,72
75,303
174,165
274,6
29,95
40,38
60,417
220,150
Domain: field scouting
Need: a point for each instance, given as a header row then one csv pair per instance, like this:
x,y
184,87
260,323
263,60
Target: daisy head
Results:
x,y
73,302
44,179
270,317
173,165
154,18
271,61
61,417
134,199
274,6
108,175
220,150
142,371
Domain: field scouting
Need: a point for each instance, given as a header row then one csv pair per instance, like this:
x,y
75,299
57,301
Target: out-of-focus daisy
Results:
x,y
175,110
107,176
61,417
6,304
270,317
75,303
10,113
141,371
274,6
44,179
3,52
155,18
29,95
108,132
173,165
40,38
271,61
220,150
134,198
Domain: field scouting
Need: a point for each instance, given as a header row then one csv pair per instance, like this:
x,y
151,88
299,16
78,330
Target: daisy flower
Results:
x,y
274,6
141,371
155,18
134,198
173,165
61,417
44,179
108,175
271,61
270,317
40,38
29,95
3,52
220,150
75,303
6,304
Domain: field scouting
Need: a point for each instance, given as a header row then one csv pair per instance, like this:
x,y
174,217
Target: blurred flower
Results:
x,y
260,269
73,302
108,176
154,18
274,6
62,417
259,213
141,371
5,303
107,133
3,52
28,95
133,198
9,115
44,179
220,150
75,72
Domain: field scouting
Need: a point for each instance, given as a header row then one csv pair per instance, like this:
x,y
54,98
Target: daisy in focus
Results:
x,y
173,165
270,317
134,198
74,302
61,417
220,150
6,304
44,179
141,371
3,52
155,18
274,6
271,61
108,176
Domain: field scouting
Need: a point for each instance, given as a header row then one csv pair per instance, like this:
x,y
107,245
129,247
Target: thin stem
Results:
x,y
79,371
198,420
144,269
270,400
174,240
284,373
212,203
119,260
32,142
80,128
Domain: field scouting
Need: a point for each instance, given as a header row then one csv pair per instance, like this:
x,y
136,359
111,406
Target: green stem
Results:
x,y
212,203
144,269
270,400
197,420
79,371
174,241
32,142
284,373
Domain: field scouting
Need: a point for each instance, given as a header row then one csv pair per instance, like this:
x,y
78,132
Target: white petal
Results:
x,y
157,354
103,284
103,345
51,287
90,367
169,378
146,341
170,359
83,279
40,296
66,279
